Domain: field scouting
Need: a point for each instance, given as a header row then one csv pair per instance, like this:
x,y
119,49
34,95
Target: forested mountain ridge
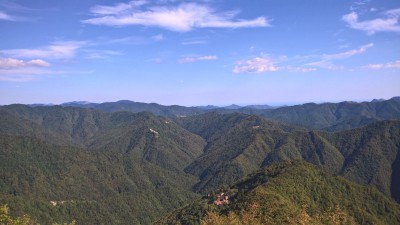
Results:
x,y
325,116
337,116
148,165
239,144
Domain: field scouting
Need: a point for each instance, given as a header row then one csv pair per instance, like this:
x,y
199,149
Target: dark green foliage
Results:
x,y
239,144
119,168
101,186
130,168
282,197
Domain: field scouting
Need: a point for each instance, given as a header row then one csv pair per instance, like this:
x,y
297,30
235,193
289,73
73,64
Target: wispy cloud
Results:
x,y
11,63
12,11
117,8
347,54
26,74
325,65
158,37
255,65
5,16
181,18
198,42
195,59
389,65
57,50
100,54
326,61
388,23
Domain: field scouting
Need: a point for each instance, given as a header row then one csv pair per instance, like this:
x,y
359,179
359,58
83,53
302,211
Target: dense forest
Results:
x,y
114,165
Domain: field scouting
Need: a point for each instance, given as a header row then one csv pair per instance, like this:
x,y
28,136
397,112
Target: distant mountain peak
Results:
x,y
233,106
76,103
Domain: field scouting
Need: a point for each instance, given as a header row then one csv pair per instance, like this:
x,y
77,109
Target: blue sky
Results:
x,y
201,52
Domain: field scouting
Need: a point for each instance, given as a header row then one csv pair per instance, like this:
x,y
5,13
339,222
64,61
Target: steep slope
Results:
x,y
128,168
276,195
236,146
371,155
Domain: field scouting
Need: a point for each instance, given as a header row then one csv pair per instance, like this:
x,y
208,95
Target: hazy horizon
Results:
x,y
275,104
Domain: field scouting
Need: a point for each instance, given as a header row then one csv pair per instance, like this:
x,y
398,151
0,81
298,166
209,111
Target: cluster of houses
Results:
x,y
221,199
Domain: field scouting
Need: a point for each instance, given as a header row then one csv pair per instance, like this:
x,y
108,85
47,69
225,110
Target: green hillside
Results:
x,y
119,168
291,193
131,168
240,144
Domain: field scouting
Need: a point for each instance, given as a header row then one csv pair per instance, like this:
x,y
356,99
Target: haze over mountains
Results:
x,y
106,164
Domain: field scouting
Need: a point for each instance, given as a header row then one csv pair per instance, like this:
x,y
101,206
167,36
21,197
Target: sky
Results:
x,y
204,52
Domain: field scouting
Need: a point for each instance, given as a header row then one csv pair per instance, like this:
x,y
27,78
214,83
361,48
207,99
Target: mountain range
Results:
x,y
131,163
325,116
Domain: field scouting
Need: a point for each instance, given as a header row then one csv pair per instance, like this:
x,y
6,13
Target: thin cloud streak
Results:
x,y
194,42
195,59
389,65
326,60
26,74
347,54
57,50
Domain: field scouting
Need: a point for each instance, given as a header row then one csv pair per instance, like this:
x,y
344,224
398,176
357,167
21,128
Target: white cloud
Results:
x,y
56,50
182,18
388,24
389,65
19,70
195,59
347,54
10,63
255,65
